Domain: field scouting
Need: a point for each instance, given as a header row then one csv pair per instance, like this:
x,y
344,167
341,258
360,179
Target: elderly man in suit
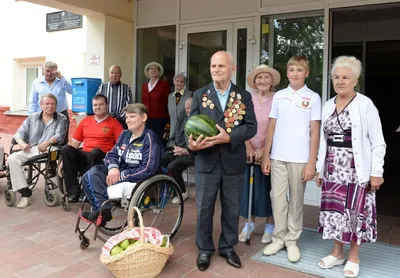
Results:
x,y
176,102
220,161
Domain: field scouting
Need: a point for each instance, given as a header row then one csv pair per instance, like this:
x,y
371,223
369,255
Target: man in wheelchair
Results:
x,y
37,133
98,134
135,158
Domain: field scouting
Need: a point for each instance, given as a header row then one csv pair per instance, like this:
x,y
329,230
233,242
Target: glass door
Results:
x,y
244,52
296,34
200,42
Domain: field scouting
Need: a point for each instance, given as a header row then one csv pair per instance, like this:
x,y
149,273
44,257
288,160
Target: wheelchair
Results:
x,y
153,198
65,205
39,165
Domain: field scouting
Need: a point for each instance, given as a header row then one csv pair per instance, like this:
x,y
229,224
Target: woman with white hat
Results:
x,y
155,97
262,79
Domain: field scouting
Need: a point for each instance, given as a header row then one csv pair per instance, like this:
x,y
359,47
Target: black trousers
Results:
x,y
176,165
158,126
65,113
77,161
207,187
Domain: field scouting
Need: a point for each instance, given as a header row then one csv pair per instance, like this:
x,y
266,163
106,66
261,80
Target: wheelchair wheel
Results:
x,y
65,205
51,198
154,199
10,197
85,242
117,223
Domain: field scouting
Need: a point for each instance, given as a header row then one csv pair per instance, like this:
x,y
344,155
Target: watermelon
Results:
x,y
200,125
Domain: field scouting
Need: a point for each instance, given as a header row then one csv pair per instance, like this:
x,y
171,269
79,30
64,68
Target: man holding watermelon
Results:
x,y
220,159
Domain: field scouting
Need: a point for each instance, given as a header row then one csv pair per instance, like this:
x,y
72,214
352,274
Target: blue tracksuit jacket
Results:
x,y
137,159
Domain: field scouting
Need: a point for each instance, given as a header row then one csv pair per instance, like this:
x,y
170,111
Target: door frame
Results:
x,y
231,27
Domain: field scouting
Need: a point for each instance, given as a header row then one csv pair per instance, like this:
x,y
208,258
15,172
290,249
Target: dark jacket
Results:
x,y
177,112
137,160
232,155
179,139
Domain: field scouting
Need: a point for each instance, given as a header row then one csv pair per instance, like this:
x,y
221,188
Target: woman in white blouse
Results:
x,y
349,168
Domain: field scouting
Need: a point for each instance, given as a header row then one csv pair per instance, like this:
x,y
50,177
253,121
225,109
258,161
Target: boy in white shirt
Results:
x,y
292,138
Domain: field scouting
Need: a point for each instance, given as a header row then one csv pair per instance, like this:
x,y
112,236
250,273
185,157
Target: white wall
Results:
x,y
95,36
25,42
119,47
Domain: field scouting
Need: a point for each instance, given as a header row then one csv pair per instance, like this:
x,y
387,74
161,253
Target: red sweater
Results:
x,y
157,100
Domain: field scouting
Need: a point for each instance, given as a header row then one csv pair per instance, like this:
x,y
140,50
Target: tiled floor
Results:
x,y
40,242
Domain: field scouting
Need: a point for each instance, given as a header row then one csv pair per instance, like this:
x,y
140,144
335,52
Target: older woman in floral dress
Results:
x,y
350,167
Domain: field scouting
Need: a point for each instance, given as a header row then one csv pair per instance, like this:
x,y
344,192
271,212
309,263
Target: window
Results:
x,y
31,74
155,44
285,37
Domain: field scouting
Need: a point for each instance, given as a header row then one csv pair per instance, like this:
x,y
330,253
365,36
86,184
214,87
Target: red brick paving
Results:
x,y
40,242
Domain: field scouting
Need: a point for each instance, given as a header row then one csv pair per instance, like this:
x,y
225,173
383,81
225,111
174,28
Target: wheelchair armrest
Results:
x,y
36,159
12,146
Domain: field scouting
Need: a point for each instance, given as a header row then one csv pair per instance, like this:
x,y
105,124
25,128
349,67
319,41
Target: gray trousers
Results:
x,y
17,173
207,187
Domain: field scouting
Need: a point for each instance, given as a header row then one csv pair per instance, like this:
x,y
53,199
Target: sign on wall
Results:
x,y
94,60
62,21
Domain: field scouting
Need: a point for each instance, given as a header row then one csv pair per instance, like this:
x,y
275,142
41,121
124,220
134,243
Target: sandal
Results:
x,y
330,261
352,267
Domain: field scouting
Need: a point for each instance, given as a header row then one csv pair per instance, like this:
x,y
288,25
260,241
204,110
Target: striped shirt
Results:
x,y
34,131
119,95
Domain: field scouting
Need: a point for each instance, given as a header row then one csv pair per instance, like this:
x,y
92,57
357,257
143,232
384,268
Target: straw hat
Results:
x,y
276,77
146,68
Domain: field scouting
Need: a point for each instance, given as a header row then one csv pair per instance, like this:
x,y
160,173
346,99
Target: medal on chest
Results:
x,y
235,111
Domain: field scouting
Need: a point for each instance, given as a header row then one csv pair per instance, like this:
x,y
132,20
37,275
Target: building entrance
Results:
x,y
370,33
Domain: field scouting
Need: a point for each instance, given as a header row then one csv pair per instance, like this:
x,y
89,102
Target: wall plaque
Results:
x,y
62,21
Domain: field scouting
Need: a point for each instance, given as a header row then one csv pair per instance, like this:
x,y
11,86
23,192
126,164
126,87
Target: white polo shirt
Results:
x,y
294,111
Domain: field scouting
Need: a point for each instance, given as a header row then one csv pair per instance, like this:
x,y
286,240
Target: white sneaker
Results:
x,y
272,249
266,238
184,197
23,203
293,253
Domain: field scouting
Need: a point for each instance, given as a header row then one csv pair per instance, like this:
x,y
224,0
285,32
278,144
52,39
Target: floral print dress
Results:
x,y
348,211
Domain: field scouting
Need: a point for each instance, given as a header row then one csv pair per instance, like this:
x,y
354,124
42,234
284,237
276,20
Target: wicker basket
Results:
x,y
142,260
